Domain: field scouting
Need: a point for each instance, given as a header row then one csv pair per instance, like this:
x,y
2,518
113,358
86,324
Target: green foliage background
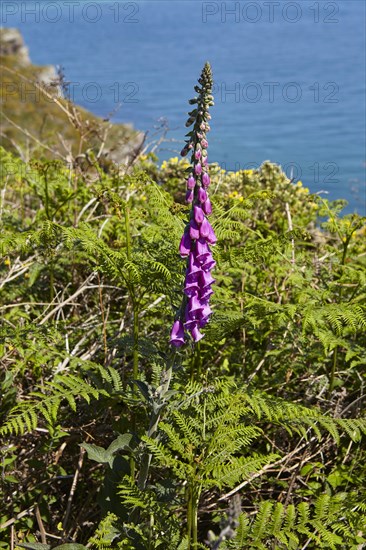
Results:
x,y
109,438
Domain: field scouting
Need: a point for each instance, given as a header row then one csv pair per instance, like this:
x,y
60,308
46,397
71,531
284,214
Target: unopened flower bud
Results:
x,y
191,182
202,195
206,180
189,196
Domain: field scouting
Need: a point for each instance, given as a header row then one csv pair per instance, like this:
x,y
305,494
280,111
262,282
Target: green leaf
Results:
x,y
121,443
11,479
144,389
96,453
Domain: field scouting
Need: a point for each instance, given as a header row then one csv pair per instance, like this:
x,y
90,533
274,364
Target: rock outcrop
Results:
x,y
12,43
26,112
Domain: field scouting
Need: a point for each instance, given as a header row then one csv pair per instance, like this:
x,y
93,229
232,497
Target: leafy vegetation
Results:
x,y
252,438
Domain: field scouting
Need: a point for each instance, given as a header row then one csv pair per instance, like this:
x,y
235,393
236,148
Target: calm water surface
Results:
x,y
289,76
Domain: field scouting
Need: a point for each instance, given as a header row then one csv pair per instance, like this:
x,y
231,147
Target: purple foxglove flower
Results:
x,y
211,237
190,323
206,179
199,232
208,264
193,277
194,230
191,182
177,334
185,244
205,229
205,312
202,250
189,196
194,305
204,316
198,169
205,294
191,289
193,265
196,334
206,279
207,207
198,214
202,195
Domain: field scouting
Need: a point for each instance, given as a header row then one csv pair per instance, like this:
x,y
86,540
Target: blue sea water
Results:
x,y
289,76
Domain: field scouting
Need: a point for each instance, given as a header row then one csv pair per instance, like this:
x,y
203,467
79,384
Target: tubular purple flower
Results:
x,y
206,179
202,250
185,244
198,169
194,277
206,279
205,295
207,207
177,334
191,182
198,214
194,230
193,265
189,196
191,289
208,264
194,305
202,195
196,334
205,229
198,154
204,316
204,143
211,237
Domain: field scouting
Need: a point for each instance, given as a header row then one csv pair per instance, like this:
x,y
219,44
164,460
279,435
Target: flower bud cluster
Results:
x,y
198,234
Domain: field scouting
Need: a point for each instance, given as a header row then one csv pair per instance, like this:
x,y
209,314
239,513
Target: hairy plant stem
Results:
x,y
196,363
135,304
135,368
335,355
154,421
194,493
332,372
52,280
